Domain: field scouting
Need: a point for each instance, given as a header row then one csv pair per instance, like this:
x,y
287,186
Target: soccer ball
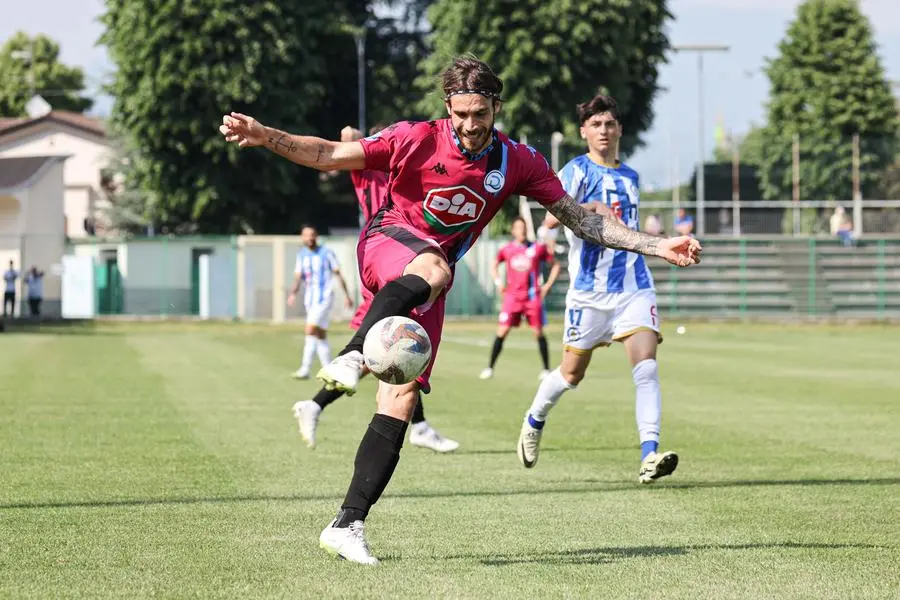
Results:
x,y
397,350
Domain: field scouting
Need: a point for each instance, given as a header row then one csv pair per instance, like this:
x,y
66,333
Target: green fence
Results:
x,y
747,277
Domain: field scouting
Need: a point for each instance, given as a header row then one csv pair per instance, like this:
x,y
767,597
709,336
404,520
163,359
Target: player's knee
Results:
x,y
645,371
433,269
572,375
398,401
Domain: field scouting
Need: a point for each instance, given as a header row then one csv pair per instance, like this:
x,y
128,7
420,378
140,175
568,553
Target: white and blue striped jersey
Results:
x,y
316,268
595,270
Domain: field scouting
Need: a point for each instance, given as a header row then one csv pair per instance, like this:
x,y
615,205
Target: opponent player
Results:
x,y
315,266
521,293
611,295
448,179
371,191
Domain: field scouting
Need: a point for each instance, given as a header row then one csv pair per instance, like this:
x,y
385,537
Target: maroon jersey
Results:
x,y
523,269
371,190
438,188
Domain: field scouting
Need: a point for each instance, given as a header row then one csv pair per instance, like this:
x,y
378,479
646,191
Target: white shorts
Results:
x,y
319,315
614,317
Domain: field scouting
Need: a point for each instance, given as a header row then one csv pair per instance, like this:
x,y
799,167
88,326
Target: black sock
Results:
x,y
397,297
376,459
542,346
418,411
325,397
495,351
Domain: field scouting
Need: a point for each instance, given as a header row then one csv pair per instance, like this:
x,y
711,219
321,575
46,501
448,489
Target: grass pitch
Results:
x,y
161,460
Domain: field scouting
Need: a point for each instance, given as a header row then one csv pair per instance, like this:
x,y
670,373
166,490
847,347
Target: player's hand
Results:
x,y
681,251
243,130
350,134
292,299
545,289
348,302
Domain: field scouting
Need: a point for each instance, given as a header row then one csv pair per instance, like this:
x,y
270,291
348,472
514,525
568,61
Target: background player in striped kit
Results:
x,y
315,267
611,295
523,296
372,192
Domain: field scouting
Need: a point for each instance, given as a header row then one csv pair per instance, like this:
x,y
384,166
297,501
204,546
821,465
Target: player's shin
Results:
x,y
648,404
376,459
309,351
323,350
397,297
495,350
552,387
542,348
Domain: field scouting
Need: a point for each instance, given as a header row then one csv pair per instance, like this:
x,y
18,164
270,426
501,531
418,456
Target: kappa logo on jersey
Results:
x,y
453,208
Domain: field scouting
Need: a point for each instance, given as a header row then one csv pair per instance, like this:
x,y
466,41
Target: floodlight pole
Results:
x,y
701,175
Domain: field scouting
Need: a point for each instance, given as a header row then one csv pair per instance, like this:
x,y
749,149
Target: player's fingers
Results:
x,y
241,117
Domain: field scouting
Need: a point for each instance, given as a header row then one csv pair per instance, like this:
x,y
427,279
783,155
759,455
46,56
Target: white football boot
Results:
x,y
486,373
426,436
529,444
542,374
657,465
307,414
343,373
348,543
301,373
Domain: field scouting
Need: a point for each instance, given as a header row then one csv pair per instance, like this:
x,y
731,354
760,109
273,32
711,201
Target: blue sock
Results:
x,y
647,448
535,424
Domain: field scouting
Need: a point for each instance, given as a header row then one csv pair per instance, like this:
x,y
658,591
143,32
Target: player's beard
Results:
x,y
478,144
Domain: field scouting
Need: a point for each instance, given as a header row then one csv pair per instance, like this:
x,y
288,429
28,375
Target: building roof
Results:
x,y
85,123
16,172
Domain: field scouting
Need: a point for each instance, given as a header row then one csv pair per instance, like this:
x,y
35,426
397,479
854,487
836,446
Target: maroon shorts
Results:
x,y
513,310
383,255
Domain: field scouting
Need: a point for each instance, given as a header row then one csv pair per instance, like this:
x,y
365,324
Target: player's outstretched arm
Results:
x,y
599,229
308,151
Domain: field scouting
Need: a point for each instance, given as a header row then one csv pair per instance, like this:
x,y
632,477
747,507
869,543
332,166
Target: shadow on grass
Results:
x,y
599,487
591,556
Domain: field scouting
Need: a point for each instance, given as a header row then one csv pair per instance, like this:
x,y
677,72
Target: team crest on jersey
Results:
x,y
520,262
453,208
494,181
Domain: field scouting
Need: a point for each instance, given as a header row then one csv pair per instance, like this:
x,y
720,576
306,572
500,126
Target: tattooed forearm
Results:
x,y
304,150
601,230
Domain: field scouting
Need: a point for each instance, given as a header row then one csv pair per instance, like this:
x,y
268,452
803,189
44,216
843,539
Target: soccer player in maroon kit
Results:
x,y
372,192
448,178
523,296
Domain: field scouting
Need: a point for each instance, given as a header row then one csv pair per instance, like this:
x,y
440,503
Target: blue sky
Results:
x,y
735,89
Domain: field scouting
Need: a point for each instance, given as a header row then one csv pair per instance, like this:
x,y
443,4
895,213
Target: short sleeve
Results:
x,y
545,253
333,263
501,254
538,179
381,147
298,268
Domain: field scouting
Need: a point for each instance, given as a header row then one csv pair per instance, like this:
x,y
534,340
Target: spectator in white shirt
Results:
x,y
9,294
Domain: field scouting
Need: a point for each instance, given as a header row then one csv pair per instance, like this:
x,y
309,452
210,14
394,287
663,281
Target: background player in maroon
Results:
x,y
523,294
371,189
448,179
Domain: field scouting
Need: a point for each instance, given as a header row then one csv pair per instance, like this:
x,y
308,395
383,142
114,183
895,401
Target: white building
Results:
x,y
60,133
31,223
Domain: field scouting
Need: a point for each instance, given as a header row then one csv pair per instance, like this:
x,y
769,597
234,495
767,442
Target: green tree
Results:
x,y
291,64
750,147
827,84
554,54
30,66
